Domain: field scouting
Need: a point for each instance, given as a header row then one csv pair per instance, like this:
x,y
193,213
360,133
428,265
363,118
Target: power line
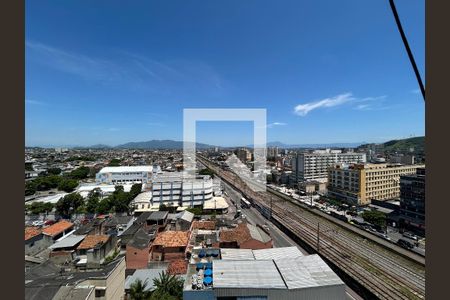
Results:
x,y
408,50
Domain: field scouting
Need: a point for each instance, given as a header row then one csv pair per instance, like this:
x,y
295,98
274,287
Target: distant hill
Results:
x,y
331,145
417,144
160,144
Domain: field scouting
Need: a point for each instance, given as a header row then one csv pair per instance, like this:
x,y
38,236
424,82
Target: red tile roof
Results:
x,y
90,241
31,232
177,267
204,225
239,234
57,228
172,239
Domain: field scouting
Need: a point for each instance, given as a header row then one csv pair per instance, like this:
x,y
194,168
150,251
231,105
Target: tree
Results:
x,y
80,173
206,172
163,207
93,200
67,185
167,287
138,290
135,190
36,208
54,171
30,188
68,204
374,217
104,206
114,162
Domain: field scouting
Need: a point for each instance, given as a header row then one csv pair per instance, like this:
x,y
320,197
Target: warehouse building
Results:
x,y
280,278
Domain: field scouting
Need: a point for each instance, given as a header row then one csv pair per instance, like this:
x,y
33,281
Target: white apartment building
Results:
x,y
314,165
127,174
178,189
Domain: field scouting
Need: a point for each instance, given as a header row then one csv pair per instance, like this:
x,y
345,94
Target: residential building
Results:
x,y
314,165
176,189
169,245
272,152
359,183
34,240
245,236
145,275
138,250
54,232
95,248
402,159
244,155
412,202
126,174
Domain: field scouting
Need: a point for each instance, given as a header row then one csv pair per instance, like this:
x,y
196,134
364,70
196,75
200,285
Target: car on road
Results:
x,y
405,244
410,236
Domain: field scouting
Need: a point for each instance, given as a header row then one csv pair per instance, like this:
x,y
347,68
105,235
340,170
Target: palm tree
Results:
x,y
168,287
138,290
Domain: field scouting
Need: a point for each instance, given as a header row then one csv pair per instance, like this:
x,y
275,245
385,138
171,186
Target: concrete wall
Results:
x,y
35,245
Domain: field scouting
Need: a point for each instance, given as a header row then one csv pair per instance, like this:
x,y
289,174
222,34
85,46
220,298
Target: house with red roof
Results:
x,y
56,231
34,240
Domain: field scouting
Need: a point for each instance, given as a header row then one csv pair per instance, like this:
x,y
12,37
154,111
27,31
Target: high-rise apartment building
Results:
x,y
272,152
314,165
412,202
359,183
244,155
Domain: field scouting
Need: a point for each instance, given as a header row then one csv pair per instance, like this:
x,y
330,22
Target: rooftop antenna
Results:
x,y
408,50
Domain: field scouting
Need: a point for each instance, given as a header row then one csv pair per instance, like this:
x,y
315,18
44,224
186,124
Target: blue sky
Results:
x,y
326,71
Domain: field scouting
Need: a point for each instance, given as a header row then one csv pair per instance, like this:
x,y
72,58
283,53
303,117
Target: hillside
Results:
x,y
159,144
417,144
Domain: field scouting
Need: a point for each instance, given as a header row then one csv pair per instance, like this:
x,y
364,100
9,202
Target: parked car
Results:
x,y
405,244
410,236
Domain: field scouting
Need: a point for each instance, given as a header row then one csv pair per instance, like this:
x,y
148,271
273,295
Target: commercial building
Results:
x,y
402,159
412,202
359,183
127,174
272,152
280,278
176,189
314,165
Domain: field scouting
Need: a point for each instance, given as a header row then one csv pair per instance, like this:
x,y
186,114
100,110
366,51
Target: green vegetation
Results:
x,y
374,217
114,162
29,167
195,210
67,185
118,202
69,204
93,200
206,172
54,171
167,287
110,258
79,173
138,292
417,143
36,208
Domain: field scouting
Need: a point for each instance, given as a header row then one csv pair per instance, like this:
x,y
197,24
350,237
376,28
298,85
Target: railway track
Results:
x,y
386,274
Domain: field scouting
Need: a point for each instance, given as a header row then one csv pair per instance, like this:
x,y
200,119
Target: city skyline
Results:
x,y
108,74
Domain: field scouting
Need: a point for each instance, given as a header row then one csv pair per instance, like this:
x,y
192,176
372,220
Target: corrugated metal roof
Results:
x,y
143,275
307,271
236,254
277,253
261,274
69,241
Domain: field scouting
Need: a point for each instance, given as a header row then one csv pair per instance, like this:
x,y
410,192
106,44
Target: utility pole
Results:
x,y
270,208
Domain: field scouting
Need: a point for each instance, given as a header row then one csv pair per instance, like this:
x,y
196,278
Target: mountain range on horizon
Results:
x,y
172,144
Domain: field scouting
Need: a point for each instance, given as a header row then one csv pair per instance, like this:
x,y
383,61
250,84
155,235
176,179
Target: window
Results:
x,y
100,293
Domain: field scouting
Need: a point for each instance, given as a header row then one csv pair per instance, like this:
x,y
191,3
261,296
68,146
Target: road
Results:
x,y
279,238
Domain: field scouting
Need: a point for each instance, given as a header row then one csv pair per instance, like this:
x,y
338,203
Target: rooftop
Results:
x,y
67,242
205,225
140,240
31,231
244,232
57,228
236,254
216,203
73,293
277,253
91,241
172,239
158,215
177,267
124,169
261,274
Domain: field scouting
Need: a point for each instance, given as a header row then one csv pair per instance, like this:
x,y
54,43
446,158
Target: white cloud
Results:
x,y
304,109
270,125
34,102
